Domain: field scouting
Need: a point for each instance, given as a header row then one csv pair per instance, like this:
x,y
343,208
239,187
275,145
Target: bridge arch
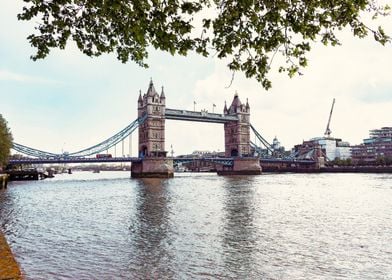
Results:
x,y
234,153
143,151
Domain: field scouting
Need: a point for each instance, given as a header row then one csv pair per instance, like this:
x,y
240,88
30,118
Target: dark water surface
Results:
x,y
201,226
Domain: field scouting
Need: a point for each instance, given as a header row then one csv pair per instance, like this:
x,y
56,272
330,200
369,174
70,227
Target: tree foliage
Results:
x,y
342,162
249,33
5,141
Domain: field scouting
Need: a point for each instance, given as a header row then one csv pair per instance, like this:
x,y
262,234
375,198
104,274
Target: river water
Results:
x,y
201,226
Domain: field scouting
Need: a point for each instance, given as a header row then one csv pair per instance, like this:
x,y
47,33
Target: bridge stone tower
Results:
x,y
152,131
237,141
237,133
152,137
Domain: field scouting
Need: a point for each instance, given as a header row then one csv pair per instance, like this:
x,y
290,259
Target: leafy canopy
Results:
x,y
5,141
249,33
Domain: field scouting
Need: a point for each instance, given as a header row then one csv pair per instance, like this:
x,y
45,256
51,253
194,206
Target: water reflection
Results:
x,y
239,231
149,230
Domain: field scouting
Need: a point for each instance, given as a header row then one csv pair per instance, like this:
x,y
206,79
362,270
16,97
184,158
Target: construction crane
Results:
x,y
328,131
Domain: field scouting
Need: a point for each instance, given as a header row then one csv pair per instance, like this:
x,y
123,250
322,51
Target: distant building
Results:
x,y
274,150
377,146
331,148
276,144
305,150
278,149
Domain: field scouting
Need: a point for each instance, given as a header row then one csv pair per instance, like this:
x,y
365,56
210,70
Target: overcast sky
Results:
x,y
70,101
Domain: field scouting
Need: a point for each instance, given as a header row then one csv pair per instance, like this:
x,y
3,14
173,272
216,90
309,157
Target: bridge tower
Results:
x,y
237,141
152,131
152,137
237,133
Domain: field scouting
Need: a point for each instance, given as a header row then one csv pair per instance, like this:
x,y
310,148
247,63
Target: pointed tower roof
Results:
x,y
225,108
236,100
140,96
162,94
247,104
151,90
235,104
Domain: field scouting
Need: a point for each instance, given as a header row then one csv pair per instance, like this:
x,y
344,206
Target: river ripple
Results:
x,y
201,226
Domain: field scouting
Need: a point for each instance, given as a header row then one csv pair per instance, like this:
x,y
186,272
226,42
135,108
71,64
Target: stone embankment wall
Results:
x,y
341,169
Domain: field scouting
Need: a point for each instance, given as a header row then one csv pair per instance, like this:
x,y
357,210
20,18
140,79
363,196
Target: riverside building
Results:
x,y
331,148
378,147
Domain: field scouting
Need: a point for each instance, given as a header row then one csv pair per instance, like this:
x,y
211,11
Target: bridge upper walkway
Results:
x,y
72,160
203,116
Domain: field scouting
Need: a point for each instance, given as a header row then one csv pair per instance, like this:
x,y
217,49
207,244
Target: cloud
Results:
x,y
357,74
22,78
376,92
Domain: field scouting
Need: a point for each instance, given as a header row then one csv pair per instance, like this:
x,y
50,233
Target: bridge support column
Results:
x,y
3,181
242,166
153,167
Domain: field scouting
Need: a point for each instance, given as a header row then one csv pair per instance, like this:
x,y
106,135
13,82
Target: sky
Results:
x,y
69,101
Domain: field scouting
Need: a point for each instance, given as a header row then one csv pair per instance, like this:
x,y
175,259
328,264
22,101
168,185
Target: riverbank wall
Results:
x,y
357,169
340,169
9,268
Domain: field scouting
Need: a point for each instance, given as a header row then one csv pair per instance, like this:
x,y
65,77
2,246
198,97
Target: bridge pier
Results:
x,y
153,167
242,166
3,181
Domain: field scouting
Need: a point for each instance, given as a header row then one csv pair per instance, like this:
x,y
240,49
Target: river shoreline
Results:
x,y
9,268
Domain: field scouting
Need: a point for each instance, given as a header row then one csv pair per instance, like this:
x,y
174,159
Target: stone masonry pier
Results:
x,y
3,181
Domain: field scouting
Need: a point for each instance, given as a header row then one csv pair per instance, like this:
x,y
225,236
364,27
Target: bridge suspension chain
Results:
x,y
32,152
273,153
262,140
104,145
112,141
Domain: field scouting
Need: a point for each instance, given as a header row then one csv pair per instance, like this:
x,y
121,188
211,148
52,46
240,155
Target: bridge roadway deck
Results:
x,y
221,160
73,160
203,116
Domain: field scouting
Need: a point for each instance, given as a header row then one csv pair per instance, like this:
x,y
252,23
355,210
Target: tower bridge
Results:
x,y
236,121
152,160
